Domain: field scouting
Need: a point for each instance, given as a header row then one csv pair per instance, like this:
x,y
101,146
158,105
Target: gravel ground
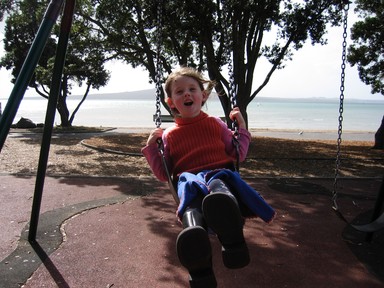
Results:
x,y
118,154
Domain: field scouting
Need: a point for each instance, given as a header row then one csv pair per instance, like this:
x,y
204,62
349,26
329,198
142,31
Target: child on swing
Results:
x,y
199,153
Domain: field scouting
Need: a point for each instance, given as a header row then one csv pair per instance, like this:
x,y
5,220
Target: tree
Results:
x,y
202,33
367,52
85,58
5,7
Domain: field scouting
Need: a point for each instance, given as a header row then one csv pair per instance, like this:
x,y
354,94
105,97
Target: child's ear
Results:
x,y
205,96
170,102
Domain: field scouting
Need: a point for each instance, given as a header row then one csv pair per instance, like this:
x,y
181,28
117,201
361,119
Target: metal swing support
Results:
x,y
377,221
157,118
21,84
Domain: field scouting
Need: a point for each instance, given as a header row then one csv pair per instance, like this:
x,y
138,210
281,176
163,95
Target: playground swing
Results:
x,y
157,115
213,198
377,221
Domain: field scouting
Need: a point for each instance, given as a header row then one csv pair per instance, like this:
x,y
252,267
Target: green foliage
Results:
x,y
5,7
367,52
203,33
85,55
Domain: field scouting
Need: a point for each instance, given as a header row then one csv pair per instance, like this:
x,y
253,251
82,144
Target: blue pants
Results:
x,y
190,186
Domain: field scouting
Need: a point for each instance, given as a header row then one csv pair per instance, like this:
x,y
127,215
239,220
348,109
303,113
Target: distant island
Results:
x,y
147,94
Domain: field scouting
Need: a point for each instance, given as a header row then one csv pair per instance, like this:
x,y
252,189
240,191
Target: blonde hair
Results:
x,y
205,84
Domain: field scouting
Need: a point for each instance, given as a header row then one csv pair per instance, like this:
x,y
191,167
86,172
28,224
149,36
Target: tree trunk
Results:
x,y
62,107
379,137
80,103
64,112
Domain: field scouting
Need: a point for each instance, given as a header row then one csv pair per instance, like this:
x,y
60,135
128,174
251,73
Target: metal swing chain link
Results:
x,y
341,106
232,91
232,96
158,79
232,87
158,76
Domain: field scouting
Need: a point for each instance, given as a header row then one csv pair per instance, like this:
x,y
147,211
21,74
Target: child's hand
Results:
x,y
236,114
155,134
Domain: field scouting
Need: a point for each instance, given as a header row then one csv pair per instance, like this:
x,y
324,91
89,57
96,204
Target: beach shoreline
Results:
x,y
316,135
292,134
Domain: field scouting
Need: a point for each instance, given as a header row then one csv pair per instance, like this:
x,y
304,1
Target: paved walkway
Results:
x,y
112,232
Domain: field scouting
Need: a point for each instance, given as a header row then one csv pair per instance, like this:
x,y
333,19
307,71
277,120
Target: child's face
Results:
x,y
186,97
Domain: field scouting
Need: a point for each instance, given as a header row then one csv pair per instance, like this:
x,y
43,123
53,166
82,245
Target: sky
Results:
x,y
314,72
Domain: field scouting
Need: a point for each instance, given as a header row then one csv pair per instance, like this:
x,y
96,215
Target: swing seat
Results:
x,y
374,226
164,118
378,220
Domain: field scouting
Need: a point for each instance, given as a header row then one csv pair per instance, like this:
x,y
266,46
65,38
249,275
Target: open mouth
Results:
x,y
189,103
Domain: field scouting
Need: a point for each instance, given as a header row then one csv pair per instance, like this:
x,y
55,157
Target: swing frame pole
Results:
x,y
28,68
65,29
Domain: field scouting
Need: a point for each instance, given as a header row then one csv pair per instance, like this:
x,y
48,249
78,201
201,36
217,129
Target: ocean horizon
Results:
x,y
136,109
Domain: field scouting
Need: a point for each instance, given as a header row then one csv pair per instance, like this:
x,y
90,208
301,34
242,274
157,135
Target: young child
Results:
x,y
199,153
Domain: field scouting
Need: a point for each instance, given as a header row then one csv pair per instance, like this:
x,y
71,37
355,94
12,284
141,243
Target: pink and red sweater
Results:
x,y
196,144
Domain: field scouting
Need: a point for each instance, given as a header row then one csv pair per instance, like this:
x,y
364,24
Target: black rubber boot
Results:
x,y
222,214
194,250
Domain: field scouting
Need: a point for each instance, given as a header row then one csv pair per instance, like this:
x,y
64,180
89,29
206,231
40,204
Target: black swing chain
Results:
x,y
228,45
232,90
341,106
232,93
232,97
158,79
158,76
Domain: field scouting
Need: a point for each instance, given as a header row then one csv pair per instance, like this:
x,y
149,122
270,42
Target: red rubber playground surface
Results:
x,y
113,232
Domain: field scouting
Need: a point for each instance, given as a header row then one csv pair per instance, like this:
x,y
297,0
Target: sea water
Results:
x,y
263,113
